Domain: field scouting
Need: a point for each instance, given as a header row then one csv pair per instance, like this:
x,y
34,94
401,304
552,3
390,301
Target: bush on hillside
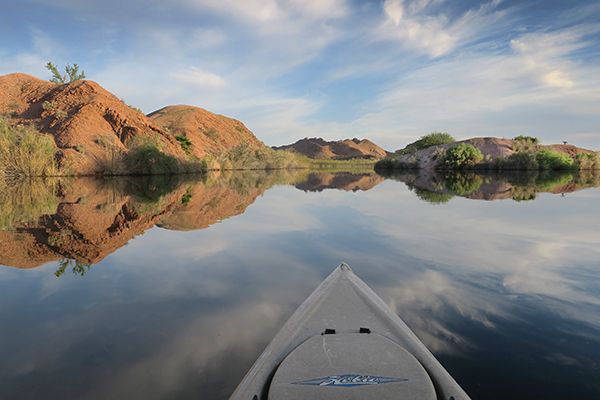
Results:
x,y
24,152
588,160
432,139
551,160
147,159
460,156
531,139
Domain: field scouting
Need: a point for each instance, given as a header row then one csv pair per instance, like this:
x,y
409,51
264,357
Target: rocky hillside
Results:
x,y
490,147
209,133
88,123
320,149
85,120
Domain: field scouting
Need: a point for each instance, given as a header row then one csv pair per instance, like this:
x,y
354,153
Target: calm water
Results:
x,y
154,289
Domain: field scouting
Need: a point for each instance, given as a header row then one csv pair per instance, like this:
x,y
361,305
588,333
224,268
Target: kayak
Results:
x,y
344,342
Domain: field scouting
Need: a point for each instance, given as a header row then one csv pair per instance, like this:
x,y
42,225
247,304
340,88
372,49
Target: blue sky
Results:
x,y
390,71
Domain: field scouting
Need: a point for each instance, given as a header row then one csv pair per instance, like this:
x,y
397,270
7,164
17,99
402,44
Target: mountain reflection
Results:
x,y
319,181
84,220
439,188
81,221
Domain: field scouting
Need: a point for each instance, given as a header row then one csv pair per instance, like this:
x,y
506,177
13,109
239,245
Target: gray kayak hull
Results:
x,y
344,315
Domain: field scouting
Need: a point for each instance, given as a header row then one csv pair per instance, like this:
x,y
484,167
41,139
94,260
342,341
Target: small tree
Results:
x,y
72,73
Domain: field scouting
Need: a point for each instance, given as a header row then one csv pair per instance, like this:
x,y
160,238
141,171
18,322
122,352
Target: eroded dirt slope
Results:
x,y
84,119
209,133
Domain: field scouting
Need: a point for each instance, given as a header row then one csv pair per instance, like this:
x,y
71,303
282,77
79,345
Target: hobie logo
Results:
x,y
349,380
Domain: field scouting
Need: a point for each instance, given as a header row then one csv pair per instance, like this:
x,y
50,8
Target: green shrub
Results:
x,y
24,152
432,139
48,106
212,134
460,156
60,114
81,148
588,160
525,146
530,139
520,161
185,143
147,159
71,76
551,160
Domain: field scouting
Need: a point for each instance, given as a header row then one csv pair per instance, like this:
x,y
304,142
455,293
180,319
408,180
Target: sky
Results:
x,y
386,70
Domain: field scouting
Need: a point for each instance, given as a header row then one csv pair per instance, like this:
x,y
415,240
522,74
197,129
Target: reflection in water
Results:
x,y
84,220
319,181
76,267
504,293
439,188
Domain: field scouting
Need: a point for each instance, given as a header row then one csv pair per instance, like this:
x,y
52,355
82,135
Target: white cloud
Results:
x,y
426,33
199,78
420,25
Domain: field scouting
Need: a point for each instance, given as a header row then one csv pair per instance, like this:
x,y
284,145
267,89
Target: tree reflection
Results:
x,y
439,188
78,268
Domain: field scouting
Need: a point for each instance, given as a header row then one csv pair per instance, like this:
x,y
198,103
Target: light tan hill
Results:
x,y
490,147
84,119
209,133
320,149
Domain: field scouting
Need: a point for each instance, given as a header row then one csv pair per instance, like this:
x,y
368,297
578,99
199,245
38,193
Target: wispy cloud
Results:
x,y
199,78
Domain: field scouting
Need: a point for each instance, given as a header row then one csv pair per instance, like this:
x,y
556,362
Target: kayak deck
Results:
x,y
344,337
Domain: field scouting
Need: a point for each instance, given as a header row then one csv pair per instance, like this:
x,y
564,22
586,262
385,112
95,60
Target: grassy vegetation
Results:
x,y
432,139
241,158
329,165
25,200
25,152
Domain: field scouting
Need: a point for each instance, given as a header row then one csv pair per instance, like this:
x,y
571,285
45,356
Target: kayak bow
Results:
x,y
344,342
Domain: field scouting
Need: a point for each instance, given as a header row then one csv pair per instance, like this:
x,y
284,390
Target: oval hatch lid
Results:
x,y
351,366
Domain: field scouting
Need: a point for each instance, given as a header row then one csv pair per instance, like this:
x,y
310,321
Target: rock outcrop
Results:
x,y
320,149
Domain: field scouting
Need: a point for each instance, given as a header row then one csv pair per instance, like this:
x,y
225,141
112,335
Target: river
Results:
x,y
170,288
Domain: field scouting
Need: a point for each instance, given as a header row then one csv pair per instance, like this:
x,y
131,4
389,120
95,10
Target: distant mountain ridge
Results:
x,y
321,149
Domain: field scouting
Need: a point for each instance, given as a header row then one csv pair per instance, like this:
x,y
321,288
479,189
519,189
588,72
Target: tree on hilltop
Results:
x,y
72,73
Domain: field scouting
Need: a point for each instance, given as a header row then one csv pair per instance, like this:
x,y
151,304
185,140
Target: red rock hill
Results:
x,y
83,118
209,133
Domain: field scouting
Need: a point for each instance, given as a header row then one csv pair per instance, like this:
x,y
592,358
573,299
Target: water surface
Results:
x,y
171,288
